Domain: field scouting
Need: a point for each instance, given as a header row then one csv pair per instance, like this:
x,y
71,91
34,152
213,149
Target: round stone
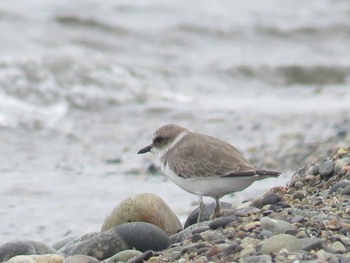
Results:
x,y
24,247
278,242
80,259
137,235
123,256
144,207
326,168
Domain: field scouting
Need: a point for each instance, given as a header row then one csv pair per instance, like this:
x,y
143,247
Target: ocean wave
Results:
x,y
293,74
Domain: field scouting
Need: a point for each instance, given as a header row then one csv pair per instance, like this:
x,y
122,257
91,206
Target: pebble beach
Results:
x,y
307,220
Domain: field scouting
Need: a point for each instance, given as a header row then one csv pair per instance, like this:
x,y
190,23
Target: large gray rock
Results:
x,y
144,207
138,235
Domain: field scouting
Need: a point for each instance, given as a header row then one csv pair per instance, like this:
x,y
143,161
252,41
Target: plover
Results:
x,y
203,165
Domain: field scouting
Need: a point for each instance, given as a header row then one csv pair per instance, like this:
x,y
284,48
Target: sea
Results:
x,y
84,84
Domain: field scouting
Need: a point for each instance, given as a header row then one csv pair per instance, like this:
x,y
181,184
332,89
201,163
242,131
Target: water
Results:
x,y
84,84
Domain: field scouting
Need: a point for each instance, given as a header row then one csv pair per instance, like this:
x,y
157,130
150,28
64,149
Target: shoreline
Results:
x,y
307,220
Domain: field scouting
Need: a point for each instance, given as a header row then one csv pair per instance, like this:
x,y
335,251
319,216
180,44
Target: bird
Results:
x,y
203,165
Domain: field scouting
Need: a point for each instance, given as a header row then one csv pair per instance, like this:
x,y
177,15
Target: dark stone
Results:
x,y
143,236
142,258
309,244
326,169
338,185
271,199
24,247
207,212
233,249
192,247
222,222
196,237
188,232
346,190
138,235
298,195
298,219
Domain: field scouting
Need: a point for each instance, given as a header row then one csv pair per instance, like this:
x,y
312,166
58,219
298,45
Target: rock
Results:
x,y
326,169
61,243
222,222
189,231
247,252
276,243
324,256
80,259
269,199
48,258
346,190
142,258
24,247
338,247
144,208
340,163
275,225
207,212
123,256
308,244
255,259
339,185
139,235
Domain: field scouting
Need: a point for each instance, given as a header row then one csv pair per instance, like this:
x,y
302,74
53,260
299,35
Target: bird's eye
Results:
x,y
159,139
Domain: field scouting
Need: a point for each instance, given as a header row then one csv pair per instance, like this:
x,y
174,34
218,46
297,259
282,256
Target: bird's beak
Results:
x,y
145,149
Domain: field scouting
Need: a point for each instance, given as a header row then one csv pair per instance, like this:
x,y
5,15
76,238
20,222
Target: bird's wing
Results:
x,y
206,156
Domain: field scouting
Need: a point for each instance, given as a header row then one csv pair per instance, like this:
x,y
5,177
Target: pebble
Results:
x,y
276,226
326,168
339,164
338,247
221,222
144,207
123,256
207,212
339,186
48,258
277,242
137,235
24,247
80,259
141,258
270,198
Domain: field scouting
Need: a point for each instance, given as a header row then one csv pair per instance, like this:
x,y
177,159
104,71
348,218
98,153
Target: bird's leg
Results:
x,y
201,208
217,208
